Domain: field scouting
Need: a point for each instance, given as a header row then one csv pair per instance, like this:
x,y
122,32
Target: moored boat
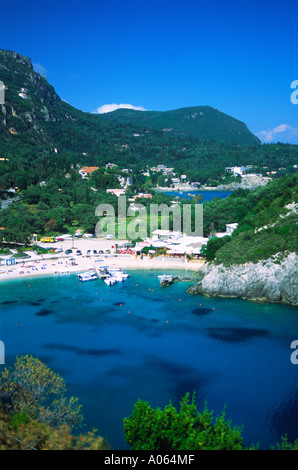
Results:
x,y
118,274
103,273
110,280
87,276
115,275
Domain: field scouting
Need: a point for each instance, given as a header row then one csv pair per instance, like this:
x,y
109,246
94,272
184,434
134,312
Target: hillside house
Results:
x,y
110,166
87,170
238,170
231,227
117,192
229,230
125,181
168,171
143,195
161,167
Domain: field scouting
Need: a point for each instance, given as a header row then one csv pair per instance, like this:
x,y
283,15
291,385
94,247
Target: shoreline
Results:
x,y
185,189
53,267
60,263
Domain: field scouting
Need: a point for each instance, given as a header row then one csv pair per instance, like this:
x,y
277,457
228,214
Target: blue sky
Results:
x,y
237,56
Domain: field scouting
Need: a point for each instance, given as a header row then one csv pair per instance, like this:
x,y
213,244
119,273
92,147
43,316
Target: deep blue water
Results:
x,y
157,347
207,195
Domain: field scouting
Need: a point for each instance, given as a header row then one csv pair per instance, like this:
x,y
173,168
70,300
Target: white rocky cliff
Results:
x,y
269,280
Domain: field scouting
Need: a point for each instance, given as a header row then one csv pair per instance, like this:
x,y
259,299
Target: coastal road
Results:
x,y
4,204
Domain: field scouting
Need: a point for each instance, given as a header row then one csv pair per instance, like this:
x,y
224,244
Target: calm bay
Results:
x,y
137,340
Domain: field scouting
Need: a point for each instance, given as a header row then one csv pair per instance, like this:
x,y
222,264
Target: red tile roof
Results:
x,y
89,169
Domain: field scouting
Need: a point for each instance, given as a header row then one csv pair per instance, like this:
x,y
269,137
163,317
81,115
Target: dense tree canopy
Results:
x,y
186,429
267,225
35,414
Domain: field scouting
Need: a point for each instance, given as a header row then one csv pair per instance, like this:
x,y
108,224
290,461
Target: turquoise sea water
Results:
x,y
116,344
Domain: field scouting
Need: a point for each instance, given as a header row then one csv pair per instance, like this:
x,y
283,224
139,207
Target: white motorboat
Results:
x,y
118,274
88,276
91,271
103,273
115,275
110,280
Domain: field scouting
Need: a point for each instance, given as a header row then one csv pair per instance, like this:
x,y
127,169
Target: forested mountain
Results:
x,y
32,105
40,135
201,122
44,141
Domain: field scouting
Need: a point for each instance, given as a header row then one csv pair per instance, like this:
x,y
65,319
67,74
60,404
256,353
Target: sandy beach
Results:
x,y
60,263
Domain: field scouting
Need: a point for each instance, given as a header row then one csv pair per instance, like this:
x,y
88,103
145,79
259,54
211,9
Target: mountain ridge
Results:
x,y
201,122
31,102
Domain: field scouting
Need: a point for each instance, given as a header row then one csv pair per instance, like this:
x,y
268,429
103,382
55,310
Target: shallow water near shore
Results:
x,y
136,340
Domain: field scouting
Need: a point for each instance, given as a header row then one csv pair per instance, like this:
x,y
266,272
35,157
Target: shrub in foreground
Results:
x,y
186,429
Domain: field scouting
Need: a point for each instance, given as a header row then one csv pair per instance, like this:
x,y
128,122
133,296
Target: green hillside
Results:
x,y
36,125
33,110
267,223
202,122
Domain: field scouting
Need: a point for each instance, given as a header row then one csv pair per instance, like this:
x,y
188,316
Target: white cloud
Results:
x,y
282,133
108,108
39,68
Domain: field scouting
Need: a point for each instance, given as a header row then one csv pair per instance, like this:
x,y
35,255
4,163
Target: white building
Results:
x,y
165,235
238,170
117,192
229,230
111,166
231,227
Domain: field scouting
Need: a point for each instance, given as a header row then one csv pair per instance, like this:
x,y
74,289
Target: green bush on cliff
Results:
x,y
267,223
186,429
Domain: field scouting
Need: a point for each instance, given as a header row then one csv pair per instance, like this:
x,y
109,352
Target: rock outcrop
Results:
x,y
250,182
30,101
168,279
270,280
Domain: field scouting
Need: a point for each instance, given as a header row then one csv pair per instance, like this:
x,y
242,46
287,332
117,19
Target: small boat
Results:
x,y
91,271
116,270
102,273
115,275
118,274
110,280
88,276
